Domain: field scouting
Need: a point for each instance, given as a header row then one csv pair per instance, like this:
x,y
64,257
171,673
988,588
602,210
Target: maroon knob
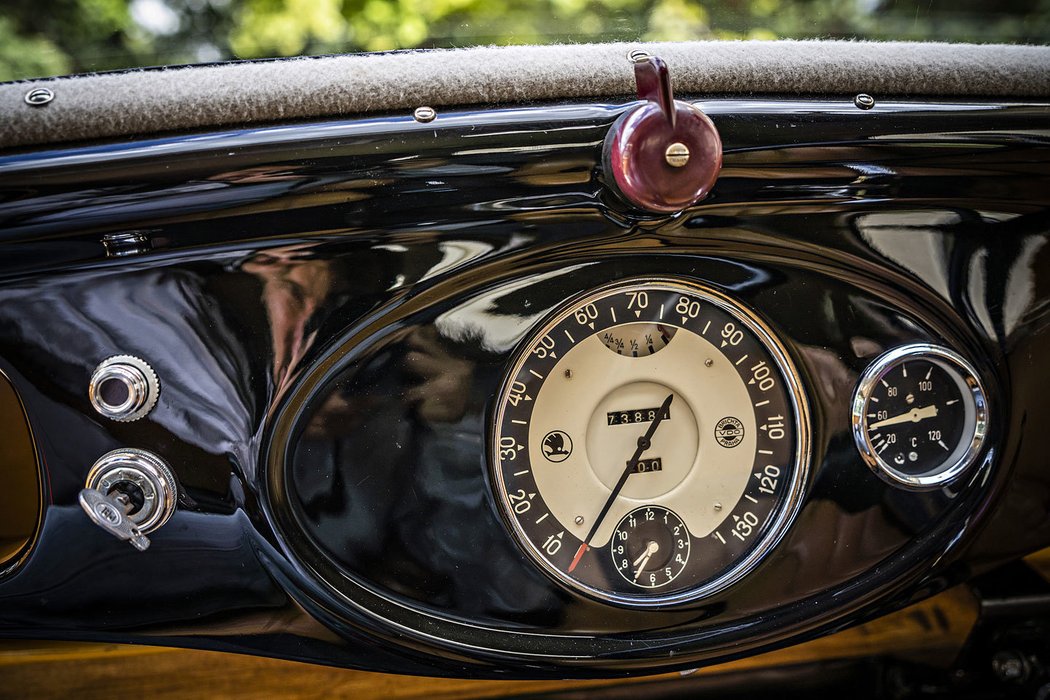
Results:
x,y
664,155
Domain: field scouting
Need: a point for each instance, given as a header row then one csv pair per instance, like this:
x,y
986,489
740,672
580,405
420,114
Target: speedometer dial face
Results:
x,y
662,471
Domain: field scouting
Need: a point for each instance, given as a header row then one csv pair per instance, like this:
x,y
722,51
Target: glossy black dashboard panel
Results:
x,y
332,307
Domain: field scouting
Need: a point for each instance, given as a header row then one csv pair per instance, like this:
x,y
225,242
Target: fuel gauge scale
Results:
x,y
920,416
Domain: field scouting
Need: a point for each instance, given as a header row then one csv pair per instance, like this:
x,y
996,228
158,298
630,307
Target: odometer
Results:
x,y
681,452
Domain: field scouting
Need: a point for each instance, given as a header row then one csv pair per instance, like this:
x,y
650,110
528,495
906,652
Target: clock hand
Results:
x,y
650,549
644,443
914,415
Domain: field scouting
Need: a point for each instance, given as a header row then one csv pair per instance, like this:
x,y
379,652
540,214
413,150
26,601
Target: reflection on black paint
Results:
x,y
388,472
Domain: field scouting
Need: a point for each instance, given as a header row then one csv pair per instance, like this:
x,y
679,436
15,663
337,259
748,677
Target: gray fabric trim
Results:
x,y
148,102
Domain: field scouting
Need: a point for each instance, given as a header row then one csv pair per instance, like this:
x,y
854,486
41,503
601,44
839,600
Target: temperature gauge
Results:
x,y
919,416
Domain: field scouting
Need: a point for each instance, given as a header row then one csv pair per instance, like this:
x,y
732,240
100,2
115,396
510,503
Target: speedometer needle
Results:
x,y
644,443
914,416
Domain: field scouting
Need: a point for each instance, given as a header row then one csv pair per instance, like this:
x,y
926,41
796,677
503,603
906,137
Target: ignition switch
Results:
x,y
130,493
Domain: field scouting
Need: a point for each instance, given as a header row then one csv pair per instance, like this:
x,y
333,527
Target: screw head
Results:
x,y
676,155
708,362
424,114
864,101
38,97
579,520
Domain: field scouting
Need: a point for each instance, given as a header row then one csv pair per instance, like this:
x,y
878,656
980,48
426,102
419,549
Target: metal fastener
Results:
x,y
424,114
637,55
864,101
676,155
126,243
38,97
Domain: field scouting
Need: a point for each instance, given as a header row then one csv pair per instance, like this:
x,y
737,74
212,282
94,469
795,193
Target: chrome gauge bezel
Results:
x,y
783,516
965,374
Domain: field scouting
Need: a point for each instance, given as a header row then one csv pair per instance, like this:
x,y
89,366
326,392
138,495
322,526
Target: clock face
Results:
x,y
650,443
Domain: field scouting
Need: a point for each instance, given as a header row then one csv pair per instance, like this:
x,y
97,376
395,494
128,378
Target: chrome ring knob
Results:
x,y
124,388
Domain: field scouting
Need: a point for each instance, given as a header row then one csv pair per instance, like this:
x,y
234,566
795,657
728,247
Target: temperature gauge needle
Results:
x,y
914,416
644,443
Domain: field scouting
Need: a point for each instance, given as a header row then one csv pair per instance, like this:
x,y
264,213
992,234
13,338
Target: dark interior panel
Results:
x,y
22,496
329,313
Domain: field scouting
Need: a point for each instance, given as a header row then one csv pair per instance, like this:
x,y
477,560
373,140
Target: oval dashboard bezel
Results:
x,y
700,629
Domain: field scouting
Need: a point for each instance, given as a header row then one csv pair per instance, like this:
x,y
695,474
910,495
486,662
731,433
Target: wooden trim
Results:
x,y
933,631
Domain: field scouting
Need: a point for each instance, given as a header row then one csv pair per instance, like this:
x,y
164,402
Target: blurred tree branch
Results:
x,y
50,37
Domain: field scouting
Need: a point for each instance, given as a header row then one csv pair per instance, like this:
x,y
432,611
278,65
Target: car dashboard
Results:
x,y
443,392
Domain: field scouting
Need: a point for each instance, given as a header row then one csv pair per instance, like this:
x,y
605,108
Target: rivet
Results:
x,y
424,114
38,97
676,155
708,362
637,55
579,520
864,101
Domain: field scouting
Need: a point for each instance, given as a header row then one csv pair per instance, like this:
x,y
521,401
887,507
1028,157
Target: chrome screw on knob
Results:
x,y
677,155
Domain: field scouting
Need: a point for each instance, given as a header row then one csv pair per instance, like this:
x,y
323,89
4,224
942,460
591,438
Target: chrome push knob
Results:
x,y
124,388
130,493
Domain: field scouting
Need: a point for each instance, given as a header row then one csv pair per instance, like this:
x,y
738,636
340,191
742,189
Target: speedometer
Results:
x,y
650,443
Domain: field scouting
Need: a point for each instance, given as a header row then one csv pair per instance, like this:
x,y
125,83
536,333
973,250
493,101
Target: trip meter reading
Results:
x,y
919,416
660,472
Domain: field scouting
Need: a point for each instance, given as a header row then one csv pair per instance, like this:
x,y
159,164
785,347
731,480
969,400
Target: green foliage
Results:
x,y
21,55
49,37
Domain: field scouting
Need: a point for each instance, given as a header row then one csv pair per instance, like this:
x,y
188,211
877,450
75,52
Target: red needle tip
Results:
x,y
576,559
